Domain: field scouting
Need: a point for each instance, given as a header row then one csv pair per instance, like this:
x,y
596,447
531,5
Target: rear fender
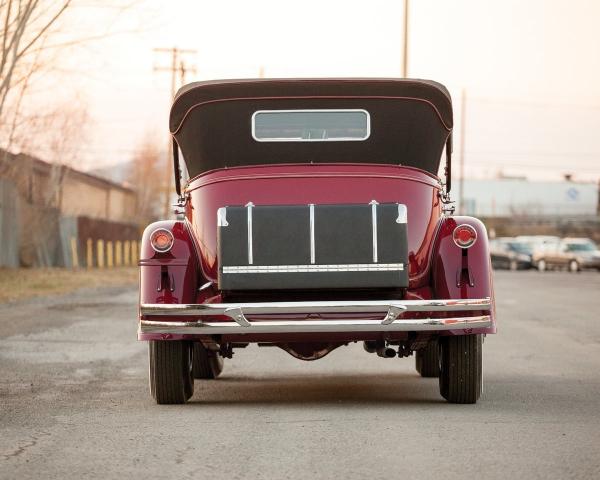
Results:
x,y
170,277
463,273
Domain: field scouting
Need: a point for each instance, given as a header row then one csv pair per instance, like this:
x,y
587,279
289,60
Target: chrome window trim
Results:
x,y
313,110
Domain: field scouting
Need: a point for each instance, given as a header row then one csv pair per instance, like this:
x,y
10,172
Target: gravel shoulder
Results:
x,y
25,283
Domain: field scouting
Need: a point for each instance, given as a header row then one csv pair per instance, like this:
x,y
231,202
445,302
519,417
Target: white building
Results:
x,y
507,197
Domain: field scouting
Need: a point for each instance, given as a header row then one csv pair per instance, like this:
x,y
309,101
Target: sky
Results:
x,y
529,70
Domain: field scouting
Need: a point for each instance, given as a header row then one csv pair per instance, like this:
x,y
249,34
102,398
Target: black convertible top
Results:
x,y
411,121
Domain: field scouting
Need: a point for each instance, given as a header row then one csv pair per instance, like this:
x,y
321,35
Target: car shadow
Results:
x,y
322,389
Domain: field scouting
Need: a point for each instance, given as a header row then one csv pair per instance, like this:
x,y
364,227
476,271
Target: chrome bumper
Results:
x,y
390,310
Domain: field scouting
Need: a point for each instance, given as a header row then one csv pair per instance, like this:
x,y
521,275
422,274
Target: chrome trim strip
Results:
x,y
374,204
222,217
402,213
311,207
356,306
249,206
314,326
355,267
205,286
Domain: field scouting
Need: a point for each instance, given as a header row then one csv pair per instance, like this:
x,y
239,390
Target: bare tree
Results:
x,y
146,176
25,25
34,38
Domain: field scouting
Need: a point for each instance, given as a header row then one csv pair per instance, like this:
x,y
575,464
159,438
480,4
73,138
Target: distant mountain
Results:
x,y
117,172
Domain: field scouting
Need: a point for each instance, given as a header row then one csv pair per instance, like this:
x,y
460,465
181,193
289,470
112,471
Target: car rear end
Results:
x,y
292,270
314,218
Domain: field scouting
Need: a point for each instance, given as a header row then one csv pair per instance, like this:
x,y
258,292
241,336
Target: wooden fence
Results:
x,y
102,253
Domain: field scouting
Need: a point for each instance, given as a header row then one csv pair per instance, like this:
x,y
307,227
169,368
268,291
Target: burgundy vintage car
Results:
x,y
314,217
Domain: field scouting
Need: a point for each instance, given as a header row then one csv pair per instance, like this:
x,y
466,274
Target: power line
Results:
x,y
526,166
532,103
533,153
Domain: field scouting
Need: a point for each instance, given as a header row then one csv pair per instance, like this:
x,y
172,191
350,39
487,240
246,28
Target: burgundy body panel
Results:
x,y
438,268
170,277
318,184
462,273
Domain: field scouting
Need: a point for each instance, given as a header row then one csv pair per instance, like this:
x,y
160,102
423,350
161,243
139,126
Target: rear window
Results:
x,y
581,247
310,125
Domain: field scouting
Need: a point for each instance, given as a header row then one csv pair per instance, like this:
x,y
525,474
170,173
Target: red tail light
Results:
x,y
161,240
464,236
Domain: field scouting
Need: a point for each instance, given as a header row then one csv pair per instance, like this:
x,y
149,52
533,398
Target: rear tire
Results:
x,y
370,346
207,364
427,360
573,266
460,368
171,371
541,265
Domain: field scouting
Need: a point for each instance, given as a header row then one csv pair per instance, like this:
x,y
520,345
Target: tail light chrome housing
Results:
x,y
464,236
161,240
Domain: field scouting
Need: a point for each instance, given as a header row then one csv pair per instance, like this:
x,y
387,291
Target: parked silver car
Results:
x,y
575,254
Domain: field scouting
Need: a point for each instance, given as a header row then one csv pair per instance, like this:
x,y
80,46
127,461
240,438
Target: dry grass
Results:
x,y
23,283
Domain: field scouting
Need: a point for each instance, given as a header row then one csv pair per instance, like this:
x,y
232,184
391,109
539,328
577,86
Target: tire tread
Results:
x,y
461,368
167,362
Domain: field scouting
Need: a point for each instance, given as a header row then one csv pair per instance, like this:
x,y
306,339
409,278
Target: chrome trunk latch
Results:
x,y
448,205
393,313
449,209
179,207
222,217
402,214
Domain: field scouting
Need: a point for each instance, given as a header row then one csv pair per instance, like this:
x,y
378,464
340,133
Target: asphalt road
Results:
x,y
74,401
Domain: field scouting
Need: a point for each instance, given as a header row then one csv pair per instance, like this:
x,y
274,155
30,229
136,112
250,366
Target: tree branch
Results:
x,y
45,28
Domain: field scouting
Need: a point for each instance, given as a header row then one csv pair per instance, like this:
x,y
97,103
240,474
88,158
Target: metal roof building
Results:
x,y
508,197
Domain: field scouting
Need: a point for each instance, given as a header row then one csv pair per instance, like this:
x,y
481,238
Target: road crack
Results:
x,y
26,446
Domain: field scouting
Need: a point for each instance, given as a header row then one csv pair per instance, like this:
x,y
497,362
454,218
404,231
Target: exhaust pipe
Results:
x,y
386,352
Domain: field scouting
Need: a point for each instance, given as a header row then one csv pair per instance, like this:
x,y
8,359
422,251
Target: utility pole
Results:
x,y
463,122
598,206
405,46
183,70
177,67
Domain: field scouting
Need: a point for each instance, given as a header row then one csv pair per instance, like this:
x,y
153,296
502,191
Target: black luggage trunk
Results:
x,y
284,247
